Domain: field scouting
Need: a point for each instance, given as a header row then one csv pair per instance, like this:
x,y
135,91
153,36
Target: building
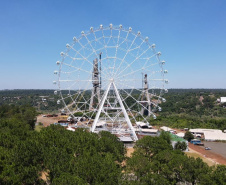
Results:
x,y
180,134
167,129
143,125
175,139
210,134
222,100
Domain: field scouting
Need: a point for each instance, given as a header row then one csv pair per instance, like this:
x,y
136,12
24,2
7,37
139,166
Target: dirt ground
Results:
x,y
193,153
47,120
129,152
218,159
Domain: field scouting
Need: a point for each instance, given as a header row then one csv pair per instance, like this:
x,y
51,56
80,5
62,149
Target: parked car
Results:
x,y
199,144
207,148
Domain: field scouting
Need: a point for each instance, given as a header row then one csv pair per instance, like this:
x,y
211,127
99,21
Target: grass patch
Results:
x,y
38,127
196,155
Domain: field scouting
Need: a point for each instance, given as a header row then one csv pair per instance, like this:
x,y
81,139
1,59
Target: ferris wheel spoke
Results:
x,y
129,108
105,48
136,71
81,56
82,46
138,47
126,54
98,40
95,95
117,45
91,45
124,40
133,61
104,42
79,69
128,86
79,93
107,115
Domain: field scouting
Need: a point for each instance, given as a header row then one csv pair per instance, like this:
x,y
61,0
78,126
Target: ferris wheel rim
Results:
x,y
105,73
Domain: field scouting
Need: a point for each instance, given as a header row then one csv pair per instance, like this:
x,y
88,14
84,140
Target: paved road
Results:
x,y
216,147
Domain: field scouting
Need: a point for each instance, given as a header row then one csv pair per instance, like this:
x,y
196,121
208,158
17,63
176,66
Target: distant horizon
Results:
x,y
90,89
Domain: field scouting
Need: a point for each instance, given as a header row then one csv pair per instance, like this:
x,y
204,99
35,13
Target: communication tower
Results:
x,y
145,97
95,96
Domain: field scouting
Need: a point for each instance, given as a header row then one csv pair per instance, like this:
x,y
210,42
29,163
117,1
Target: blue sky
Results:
x,y
190,34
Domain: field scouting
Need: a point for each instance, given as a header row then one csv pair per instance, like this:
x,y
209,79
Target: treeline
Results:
x,y
184,108
194,103
193,108
201,91
58,156
31,97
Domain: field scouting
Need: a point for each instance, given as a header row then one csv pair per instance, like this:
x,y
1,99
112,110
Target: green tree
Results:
x,y
110,143
180,146
166,136
219,174
69,179
188,136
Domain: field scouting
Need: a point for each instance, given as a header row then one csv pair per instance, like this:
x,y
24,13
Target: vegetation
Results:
x,y
184,108
180,146
66,157
81,157
188,136
193,108
155,162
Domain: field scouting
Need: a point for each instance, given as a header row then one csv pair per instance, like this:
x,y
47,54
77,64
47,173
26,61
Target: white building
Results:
x,y
210,134
166,129
149,131
222,99
143,125
180,134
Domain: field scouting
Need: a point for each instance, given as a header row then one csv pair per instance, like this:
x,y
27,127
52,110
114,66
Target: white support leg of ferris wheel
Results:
x,y
122,107
125,113
100,108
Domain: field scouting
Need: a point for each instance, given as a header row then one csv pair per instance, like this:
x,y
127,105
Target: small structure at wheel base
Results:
x,y
174,139
128,142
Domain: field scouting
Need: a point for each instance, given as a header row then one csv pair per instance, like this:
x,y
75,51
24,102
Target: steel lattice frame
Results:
x,y
126,55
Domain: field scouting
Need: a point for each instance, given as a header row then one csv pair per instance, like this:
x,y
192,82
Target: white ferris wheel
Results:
x,y
112,77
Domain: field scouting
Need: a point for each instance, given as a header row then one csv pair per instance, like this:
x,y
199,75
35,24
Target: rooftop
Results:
x,y
176,138
211,134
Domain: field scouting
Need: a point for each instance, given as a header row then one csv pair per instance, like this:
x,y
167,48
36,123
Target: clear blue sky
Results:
x,y
191,34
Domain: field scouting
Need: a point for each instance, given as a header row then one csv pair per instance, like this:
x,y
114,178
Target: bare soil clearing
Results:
x,y
47,120
129,152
